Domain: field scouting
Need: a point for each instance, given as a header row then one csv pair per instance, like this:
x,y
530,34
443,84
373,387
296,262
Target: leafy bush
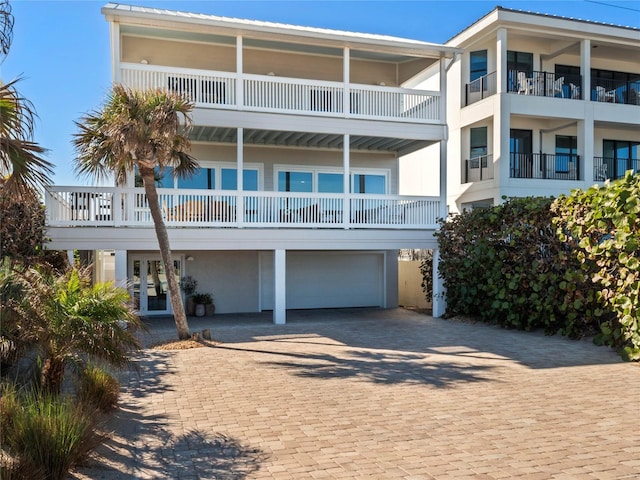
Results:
x,y
426,270
603,226
45,433
506,265
98,388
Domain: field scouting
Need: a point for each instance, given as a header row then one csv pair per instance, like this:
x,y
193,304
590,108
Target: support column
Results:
x,y
444,209
240,81
585,146
501,60
439,305
585,68
280,287
346,101
240,177
346,180
121,268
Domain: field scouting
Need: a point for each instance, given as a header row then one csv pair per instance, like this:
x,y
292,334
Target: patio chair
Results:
x,y
524,84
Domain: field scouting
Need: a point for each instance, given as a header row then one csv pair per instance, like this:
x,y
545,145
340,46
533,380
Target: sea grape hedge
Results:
x,y
569,266
602,225
506,265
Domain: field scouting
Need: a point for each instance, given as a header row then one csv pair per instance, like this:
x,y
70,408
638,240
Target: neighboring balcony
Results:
x,y
544,84
478,169
611,91
608,168
264,93
544,166
128,207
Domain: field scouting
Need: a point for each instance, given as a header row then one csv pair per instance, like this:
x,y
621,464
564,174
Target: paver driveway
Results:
x,y
376,394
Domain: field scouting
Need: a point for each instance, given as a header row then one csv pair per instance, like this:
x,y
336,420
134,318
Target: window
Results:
x,y
520,61
620,156
478,147
369,183
520,146
202,179
566,153
295,181
330,182
229,179
477,65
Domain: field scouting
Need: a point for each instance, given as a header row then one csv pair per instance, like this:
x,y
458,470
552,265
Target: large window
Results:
x,y
478,143
520,61
369,183
620,156
324,181
477,64
566,153
207,178
521,148
295,181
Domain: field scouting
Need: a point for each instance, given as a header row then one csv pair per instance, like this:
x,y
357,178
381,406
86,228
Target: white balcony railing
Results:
x,y
128,207
265,93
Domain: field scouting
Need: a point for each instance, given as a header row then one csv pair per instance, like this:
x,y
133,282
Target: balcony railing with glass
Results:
x,y
115,207
264,93
544,84
612,91
480,88
544,166
478,169
609,168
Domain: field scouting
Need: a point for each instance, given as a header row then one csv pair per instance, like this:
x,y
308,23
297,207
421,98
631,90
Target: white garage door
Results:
x,y
327,280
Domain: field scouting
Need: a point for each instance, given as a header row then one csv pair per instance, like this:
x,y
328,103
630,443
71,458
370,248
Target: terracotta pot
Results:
x,y
190,307
210,309
200,310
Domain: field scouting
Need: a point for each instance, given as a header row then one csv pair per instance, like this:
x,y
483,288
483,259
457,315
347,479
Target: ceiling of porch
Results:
x,y
254,136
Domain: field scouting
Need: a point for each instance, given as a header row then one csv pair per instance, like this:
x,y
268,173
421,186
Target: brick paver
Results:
x,y
374,394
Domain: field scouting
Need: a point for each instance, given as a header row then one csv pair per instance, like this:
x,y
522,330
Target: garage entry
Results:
x,y
326,279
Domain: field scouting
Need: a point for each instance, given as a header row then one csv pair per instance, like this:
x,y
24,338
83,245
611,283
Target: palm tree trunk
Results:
x,y
148,180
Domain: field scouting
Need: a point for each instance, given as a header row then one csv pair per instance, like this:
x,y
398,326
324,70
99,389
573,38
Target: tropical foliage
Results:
x,y
141,130
602,226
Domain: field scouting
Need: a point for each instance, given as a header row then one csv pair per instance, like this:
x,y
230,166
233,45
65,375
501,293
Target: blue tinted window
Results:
x,y
295,182
478,64
250,180
365,183
330,183
203,178
229,179
164,180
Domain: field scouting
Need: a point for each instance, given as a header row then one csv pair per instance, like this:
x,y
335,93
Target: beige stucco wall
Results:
x,y
410,292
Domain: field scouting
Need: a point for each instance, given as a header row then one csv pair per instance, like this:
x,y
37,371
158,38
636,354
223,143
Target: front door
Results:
x,y
150,292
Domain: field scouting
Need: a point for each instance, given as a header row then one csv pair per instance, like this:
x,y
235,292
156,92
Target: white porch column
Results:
x,y
585,145
501,60
585,68
501,142
121,268
280,287
115,52
240,177
240,81
439,305
346,100
444,209
346,180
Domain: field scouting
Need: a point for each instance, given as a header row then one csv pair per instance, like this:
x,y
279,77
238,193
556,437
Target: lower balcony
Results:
x,y
544,166
609,168
128,207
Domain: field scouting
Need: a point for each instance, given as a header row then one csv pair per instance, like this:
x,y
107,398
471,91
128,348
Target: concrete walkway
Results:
x,y
374,394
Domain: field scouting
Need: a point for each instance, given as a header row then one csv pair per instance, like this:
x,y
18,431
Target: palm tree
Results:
x,y
6,27
69,321
141,128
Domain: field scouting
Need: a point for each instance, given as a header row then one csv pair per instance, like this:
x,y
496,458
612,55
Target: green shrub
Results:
x,y
98,388
45,433
506,265
603,226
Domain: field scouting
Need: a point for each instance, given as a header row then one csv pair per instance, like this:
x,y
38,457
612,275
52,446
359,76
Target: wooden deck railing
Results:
x,y
266,93
115,207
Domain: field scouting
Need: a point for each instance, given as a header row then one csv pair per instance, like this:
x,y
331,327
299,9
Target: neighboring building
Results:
x,y
317,122
540,105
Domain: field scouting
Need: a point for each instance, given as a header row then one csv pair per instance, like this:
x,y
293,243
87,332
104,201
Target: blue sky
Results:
x,y
61,48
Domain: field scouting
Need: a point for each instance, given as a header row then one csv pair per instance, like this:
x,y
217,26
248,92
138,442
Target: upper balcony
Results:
x,y
549,84
273,94
182,208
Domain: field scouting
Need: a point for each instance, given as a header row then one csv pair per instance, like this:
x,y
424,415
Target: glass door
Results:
x,y
150,292
521,153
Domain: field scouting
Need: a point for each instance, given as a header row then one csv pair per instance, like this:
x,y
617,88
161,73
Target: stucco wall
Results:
x,y
410,292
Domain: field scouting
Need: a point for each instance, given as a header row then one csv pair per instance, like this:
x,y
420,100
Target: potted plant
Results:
x,y
188,285
204,304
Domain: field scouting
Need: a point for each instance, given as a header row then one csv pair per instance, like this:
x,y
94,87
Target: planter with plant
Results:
x,y
188,284
204,304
